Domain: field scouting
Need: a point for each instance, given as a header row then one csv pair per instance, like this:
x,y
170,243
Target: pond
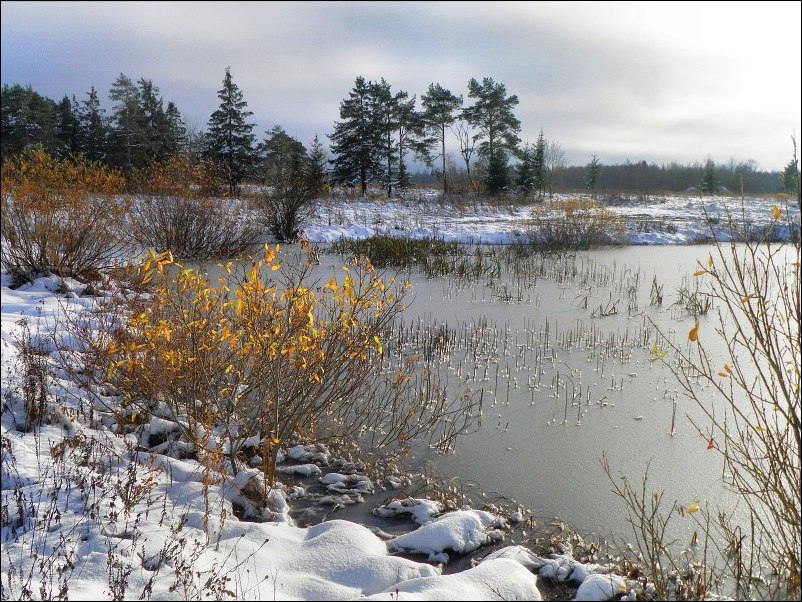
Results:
x,y
559,348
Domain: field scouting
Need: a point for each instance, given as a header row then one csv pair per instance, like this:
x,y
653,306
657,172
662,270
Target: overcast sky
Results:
x,y
655,81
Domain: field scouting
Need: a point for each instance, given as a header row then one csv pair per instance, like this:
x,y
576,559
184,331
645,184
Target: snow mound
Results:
x,y
601,587
461,531
420,510
498,579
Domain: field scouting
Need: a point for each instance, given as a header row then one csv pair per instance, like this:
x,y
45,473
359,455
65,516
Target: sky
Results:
x,y
634,81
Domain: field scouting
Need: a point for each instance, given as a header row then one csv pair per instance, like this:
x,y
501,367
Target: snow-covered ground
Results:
x,y
657,220
91,513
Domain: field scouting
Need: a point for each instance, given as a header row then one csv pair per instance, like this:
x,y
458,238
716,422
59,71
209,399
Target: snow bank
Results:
x,y
498,579
460,531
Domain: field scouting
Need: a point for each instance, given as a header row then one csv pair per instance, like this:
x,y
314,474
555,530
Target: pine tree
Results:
x,y
710,182
67,127
154,122
492,115
411,136
128,148
28,119
524,171
384,109
439,111
592,172
790,177
357,140
318,160
229,139
292,184
92,128
176,134
539,165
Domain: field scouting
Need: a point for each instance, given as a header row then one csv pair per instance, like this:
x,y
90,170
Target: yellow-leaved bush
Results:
x,y
265,352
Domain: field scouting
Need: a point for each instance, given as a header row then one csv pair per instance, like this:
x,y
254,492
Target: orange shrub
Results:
x,y
59,217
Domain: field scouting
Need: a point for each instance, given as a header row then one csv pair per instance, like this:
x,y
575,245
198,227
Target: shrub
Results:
x,y
59,217
265,354
575,224
177,212
750,398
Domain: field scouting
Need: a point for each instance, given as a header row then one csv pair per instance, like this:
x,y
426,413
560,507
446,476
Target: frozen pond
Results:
x,y
559,349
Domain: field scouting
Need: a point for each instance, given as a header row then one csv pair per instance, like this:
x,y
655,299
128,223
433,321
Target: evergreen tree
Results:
x,y
92,128
175,138
229,139
411,136
440,111
492,115
128,149
524,171
384,109
318,160
292,181
357,139
790,177
154,122
27,119
539,165
710,182
592,172
67,127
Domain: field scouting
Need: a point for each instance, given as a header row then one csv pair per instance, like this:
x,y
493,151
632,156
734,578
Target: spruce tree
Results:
x,y
318,160
128,149
439,111
92,128
524,171
67,127
710,182
229,137
492,115
539,165
357,139
592,172
176,134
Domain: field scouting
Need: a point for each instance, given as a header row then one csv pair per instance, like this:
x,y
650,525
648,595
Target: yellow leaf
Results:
x,y
775,212
746,298
760,429
727,368
692,508
710,261
699,272
693,335
275,267
275,441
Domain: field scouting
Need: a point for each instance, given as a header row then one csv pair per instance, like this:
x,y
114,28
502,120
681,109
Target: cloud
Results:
x,y
608,78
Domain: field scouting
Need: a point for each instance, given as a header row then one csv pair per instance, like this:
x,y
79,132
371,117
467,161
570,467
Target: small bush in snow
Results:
x,y
59,217
576,224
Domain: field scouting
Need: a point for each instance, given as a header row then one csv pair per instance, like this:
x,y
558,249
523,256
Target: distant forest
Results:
x,y
370,145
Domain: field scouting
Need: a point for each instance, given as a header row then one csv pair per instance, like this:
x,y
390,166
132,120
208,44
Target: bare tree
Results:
x,y
467,145
554,165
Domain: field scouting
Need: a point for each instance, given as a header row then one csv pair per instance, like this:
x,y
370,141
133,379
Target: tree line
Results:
x,y
378,133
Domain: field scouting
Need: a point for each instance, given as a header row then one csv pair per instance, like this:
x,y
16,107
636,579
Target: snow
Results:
x,y
86,510
498,579
420,510
460,531
663,220
91,508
